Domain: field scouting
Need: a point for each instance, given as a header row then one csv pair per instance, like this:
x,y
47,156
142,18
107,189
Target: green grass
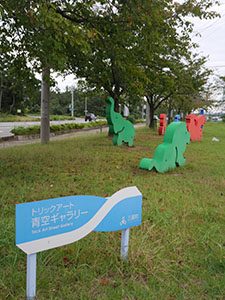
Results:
x,y
16,118
177,253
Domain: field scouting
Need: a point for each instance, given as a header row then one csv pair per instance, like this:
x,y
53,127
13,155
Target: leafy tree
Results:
x,y
142,49
124,47
19,87
38,32
217,93
94,98
173,74
61,101
111,64
191,93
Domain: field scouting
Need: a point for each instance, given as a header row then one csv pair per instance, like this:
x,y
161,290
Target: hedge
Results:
x,y
31,130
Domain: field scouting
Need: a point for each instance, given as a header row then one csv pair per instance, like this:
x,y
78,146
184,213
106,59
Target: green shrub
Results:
x,y
139,121
55,128
26,130
61,118
131,119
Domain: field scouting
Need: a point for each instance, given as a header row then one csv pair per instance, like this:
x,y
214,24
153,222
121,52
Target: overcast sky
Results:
x,y
211,41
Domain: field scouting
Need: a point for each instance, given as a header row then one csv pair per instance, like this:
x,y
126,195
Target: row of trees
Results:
x,y
18,86
126,49
84,99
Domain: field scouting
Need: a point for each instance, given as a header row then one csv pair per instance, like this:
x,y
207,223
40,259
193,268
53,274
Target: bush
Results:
x,y
139,121
26,130
131,119
61,118
56,128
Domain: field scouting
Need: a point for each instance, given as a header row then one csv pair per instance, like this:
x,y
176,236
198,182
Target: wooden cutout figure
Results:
x,y
169,154
162,124
195,125
123,130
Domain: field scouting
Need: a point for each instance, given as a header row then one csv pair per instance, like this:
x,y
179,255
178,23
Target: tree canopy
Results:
x,y
145,49
128,49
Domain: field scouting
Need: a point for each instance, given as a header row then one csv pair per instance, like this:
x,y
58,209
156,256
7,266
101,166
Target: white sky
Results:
x,y
212,39
211,44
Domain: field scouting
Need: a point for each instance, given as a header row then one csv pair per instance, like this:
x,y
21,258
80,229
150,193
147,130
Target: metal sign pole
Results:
x,y
31,276
124,244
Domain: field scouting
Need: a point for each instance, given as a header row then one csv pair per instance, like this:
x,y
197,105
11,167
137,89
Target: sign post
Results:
x,y
52,223
31,276
124,244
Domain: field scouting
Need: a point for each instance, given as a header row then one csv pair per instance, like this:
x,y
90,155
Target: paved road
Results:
x,y
6,127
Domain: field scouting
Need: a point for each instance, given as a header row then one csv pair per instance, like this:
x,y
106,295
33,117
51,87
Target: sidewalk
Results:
x,y
11,142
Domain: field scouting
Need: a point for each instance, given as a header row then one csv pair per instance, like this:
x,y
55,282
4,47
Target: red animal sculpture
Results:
x,y
162,124
195,125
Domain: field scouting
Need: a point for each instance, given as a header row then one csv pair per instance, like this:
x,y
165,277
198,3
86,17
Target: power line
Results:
x,y
221,66
205,37
218,20
203,29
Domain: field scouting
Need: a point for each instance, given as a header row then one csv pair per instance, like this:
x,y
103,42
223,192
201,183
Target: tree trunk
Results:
x,y
169,114
1,92
150,110
116,103
147,114
13,103
45,96
152,122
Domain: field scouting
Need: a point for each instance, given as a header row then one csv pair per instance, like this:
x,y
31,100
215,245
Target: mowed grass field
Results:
x,y
177,253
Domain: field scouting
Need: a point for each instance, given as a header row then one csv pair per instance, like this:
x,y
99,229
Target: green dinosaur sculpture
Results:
x,y
169,154
123,130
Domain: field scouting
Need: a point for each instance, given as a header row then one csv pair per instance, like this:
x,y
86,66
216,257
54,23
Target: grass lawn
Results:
x,y
17,118
177,253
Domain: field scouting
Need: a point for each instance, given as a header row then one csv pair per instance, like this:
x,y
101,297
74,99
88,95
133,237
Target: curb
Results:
x,y
16,140
52,134
8,138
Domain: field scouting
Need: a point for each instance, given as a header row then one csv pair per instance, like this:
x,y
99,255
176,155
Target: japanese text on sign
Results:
x,y
55,216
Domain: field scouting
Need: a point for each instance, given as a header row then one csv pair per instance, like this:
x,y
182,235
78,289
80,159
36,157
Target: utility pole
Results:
x,y
85,106
45,95
72,103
